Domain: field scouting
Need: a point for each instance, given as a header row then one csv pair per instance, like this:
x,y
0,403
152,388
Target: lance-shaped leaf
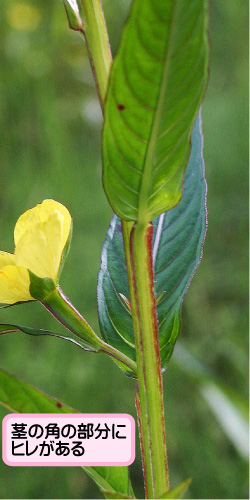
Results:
x,y
156,85
177,247
19,396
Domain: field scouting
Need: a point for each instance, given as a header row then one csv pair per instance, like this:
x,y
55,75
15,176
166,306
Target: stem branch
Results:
x,y
97,43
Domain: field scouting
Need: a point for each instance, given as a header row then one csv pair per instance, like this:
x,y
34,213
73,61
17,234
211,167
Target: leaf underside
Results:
x,y
156,85
19,396
177,248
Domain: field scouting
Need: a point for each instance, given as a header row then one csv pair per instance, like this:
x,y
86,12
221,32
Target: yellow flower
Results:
x,y
40,237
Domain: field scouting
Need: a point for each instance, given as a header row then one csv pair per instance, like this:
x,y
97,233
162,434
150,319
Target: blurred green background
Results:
x,y
50,125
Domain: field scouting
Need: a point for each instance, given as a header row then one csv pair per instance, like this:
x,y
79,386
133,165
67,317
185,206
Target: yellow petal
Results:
x,y
6,259
40,213
14,285
40,247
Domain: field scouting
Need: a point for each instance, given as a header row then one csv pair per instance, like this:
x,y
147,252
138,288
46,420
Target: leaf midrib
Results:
x,y
143,212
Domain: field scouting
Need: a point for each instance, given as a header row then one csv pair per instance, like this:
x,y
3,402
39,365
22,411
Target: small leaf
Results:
x,y
21,397
7,328
40,287
73,11
155,89
126,302
177,248
178,491
112,481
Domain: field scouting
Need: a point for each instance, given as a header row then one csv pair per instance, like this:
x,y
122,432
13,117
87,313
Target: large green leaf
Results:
x,y
177,247
20,397
156,85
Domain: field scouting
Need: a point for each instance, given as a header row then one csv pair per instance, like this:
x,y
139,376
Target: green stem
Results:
x,y
97,43
60,306
140,399
149,398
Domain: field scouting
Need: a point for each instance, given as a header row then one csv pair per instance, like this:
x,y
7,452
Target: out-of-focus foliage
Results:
x,y
50,124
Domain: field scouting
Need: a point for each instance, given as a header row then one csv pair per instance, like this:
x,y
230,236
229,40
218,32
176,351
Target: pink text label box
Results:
x,y
82,439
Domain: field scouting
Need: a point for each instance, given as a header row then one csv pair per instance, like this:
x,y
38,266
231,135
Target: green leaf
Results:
x,y
113,482
178,491
7,328
20,397
178,240
156,85
40,288
73,11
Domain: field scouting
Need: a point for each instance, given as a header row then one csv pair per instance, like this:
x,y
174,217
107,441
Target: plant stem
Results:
x,y
149,398
97,43
140,400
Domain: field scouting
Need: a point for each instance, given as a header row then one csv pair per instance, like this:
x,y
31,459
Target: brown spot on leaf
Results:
x,y
120,106
58,404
